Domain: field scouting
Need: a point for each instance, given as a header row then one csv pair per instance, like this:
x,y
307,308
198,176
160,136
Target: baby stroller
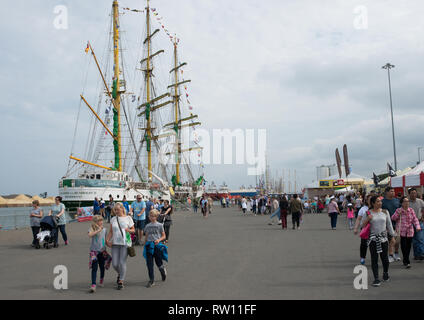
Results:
x,y
47,224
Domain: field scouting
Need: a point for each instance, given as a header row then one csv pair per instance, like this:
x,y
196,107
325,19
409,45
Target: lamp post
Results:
x,y
419,155
389,66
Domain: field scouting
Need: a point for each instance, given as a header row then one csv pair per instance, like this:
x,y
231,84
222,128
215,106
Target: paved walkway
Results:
x,y
227,256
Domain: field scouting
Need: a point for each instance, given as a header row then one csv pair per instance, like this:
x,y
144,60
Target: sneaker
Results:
x,y
386,277
163,273
408,266
117,279
120,285
376,283
93,288
270,223
66,242
150,284
362,261
101,283
396,256
391,259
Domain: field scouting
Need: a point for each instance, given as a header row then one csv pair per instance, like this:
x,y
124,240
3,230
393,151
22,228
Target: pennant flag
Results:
x,y
375,178
88,48
392,172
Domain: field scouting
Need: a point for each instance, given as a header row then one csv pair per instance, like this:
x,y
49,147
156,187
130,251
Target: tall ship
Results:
x,y
244,192
135,145
217,193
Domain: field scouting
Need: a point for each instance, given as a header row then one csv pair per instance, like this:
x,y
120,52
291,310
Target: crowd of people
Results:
x,y
148,219
387,224
384,221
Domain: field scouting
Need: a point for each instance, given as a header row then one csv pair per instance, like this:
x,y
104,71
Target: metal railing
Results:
x,y
18,218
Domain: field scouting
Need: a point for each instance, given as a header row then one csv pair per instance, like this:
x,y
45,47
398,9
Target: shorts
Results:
x,y
140,224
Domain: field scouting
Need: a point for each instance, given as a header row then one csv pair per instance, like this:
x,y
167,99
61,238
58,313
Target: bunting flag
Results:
x,y
133,98
133,10
392,172
375,178
159,19
88,47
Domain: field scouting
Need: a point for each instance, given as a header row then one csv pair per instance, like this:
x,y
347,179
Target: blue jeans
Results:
x,y
333,216
56,233
276,213
100,262
157,256
418,242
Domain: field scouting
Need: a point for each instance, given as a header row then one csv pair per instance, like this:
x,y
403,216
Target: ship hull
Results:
x,y
76,197
243,193
216,195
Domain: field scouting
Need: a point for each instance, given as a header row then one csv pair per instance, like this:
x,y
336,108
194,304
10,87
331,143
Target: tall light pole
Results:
x,y
419,155
389,66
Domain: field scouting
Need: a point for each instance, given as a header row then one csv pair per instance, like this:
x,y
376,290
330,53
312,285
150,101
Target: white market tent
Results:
x,y
411,178
398,173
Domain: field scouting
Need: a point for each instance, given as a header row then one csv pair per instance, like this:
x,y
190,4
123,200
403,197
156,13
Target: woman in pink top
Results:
x,y
405,228
350,215
333,212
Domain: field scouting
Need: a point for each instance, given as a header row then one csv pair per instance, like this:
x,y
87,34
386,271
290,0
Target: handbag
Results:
x,y
130,250
365,232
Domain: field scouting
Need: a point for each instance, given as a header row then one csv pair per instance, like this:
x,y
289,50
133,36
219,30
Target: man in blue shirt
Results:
x,y
391,204
149,206
126,204
96,207
160,206
138,209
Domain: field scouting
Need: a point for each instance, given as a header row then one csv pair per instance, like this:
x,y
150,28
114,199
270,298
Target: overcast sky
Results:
x,y
307,71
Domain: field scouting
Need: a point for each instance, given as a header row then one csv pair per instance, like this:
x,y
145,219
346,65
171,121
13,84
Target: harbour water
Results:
x,y
17,218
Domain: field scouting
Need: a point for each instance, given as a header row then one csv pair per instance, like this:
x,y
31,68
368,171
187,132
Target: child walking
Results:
x,y
99,258
153,248
350,216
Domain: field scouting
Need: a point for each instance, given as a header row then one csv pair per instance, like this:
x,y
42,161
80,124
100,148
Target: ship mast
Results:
x,y
150,105
148,115
177,111
178,123
116,89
